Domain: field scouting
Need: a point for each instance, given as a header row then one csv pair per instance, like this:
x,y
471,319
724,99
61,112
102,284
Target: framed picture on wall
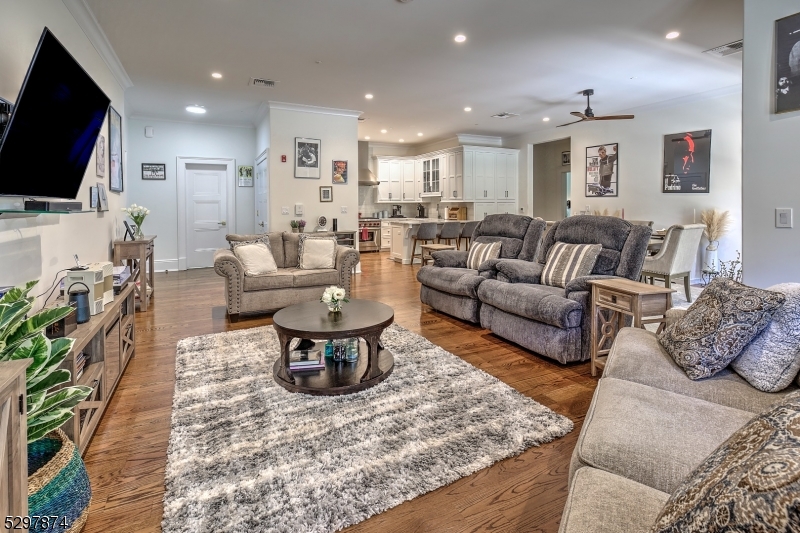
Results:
x,y
93,197
245,174
687,162
100,156
154,171
114,150
340,172
102,198
787,64
565,158
602,170
326,193
306,158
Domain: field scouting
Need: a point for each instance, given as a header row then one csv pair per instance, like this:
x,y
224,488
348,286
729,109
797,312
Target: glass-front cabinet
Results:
x,y
430,175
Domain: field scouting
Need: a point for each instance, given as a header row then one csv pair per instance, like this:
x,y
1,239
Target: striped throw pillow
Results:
x,y
480,252
566,262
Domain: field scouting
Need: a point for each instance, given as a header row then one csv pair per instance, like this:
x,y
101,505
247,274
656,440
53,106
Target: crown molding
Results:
x,y
138,116
88,23
285,106
480,140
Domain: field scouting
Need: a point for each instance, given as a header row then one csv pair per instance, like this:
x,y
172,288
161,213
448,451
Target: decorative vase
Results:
x,y
138,234
302,230
335,307
58,485
294,230
711,260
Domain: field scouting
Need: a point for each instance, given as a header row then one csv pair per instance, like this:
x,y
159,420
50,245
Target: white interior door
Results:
x,y
261,188
206,213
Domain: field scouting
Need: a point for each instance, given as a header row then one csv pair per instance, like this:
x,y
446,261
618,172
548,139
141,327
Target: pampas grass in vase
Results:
x,y
717,224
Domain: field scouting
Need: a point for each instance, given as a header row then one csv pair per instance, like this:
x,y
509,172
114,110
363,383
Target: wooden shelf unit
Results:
x,y
108,340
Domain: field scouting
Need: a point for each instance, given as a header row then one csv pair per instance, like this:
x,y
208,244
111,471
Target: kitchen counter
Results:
x,y
401,241
413,221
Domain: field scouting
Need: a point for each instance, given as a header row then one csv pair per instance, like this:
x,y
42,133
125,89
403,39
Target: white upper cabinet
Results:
x,y
454,184
418,186
506,177
408,181
484,176
469,175
395,180
383,180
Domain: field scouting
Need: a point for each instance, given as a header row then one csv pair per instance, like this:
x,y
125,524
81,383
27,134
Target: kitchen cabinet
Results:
x,y
507,207
483,209
469,175
386,236
397,242
390,186
484,176
408,182
383,180
454,182
506,177
431,174
418,186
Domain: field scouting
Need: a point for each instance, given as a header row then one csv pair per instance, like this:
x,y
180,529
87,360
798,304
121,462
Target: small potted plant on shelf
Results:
x,y
293,224
302,225
57,479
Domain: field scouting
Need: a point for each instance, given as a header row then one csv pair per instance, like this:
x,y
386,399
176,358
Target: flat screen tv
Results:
x,y
56,119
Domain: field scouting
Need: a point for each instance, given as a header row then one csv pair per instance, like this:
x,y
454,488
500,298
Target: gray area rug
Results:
x,y
247,455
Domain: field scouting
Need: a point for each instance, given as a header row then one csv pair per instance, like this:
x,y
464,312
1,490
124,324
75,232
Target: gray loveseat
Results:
x,y
450,287
648,427
554,321
289,285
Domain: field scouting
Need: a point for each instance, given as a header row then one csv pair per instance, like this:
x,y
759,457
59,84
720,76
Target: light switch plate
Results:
x,y
298,209
783,217
284,210
344,209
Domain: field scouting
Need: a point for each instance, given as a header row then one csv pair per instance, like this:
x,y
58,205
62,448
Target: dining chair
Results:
x,y
676,257
425,233
451,231
466,233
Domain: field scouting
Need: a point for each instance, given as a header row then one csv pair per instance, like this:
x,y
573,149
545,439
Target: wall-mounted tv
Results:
x,y
57,117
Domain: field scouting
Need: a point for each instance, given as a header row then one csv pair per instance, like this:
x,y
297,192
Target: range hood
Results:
x,y
367,178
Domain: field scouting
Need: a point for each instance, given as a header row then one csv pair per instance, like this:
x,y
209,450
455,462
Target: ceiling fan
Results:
x,y
588,114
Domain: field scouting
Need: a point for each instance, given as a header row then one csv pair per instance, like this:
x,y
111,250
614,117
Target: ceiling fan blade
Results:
x,y
578,114
615,117
568,123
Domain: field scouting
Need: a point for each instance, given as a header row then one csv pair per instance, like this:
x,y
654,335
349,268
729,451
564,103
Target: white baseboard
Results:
x,y
166,264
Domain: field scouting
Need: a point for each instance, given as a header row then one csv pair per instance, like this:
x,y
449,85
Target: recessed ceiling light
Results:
x,y
402,140
546,119
366,138
196,109
419,134
460,38
383,131
216,75
368,96
467,109
672,35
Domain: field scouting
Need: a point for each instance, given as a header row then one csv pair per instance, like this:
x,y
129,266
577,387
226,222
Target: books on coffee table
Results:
x,y
300,360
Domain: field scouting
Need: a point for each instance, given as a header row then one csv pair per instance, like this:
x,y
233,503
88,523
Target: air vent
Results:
x,y
505,114
261,82
727,49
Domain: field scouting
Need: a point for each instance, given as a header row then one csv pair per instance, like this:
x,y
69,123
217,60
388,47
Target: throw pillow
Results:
x,y
256,259
262,239
482,251
718,325
772,360
316,252
566,262
750,483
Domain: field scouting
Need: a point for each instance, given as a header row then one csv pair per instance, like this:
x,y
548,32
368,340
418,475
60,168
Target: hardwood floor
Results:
x,y
127,458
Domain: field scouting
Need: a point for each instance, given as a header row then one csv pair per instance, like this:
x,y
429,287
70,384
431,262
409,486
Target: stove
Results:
x,y
369,234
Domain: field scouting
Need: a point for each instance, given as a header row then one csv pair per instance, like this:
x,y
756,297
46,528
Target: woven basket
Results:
x,y
57,483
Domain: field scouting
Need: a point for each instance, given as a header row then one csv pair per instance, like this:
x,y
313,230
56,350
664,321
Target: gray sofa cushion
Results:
x,y
458,281
518,271
770,363
282,279
750,483
637,356
307,278
602,502
291,249
537,302
651,436
718,325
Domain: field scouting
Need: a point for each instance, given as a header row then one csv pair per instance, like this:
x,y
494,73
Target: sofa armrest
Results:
x,y
346,260
520,271
226,264
489,266
582,283
450,259
674,314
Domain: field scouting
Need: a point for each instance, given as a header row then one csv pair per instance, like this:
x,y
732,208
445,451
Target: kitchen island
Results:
x,y
401,241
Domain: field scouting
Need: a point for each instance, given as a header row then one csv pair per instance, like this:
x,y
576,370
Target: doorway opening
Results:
x,y
206,209
551,184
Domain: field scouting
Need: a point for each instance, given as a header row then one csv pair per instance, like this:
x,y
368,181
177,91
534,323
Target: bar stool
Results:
x,y
451,231
467,231
426,232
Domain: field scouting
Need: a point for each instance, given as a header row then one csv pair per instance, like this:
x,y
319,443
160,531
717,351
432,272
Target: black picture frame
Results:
x,y
787,64
115,171
93,202
687,163
307,157
566,158
598,182
154,171
128,231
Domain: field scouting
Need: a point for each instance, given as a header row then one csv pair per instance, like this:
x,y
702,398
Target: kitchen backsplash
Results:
x,y
368,206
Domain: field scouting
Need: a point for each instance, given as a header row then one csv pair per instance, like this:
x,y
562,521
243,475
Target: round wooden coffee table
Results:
x,y
312,320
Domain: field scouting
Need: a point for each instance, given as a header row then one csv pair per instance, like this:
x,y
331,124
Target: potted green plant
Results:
x,y
294,225
58,484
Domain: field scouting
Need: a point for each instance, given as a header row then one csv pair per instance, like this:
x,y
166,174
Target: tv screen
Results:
x,y
57,117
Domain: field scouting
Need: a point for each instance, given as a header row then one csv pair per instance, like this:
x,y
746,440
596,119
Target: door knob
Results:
x,y
261,223
222,223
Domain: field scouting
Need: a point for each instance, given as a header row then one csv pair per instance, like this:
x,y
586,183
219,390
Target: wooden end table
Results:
x,y
140,250
612,301
433,247
312,320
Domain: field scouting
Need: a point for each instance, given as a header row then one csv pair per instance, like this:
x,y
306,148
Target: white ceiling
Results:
x,y
530,57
